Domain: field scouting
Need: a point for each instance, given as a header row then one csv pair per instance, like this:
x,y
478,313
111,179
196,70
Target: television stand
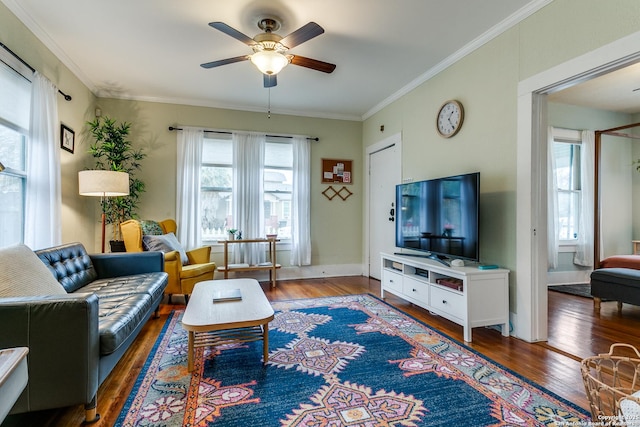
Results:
x,y
467,296
438,258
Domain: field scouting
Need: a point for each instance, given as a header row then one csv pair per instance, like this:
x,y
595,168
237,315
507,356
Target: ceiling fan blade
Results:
x,y
314,64
224,61
221,26
302,34
270,80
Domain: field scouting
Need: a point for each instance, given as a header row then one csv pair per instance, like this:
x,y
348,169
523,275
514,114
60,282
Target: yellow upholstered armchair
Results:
x,y
185,268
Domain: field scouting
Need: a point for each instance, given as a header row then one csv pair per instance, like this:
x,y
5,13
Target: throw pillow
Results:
x,y
165,243
23,274
630,410
151,227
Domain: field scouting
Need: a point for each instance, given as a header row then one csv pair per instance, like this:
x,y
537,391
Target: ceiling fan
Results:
x,y
270,49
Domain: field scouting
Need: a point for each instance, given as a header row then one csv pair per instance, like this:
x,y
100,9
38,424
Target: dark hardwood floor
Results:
x,y
575,332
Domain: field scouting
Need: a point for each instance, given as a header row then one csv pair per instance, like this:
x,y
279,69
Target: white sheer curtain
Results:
x,y
188,217
43,205
301,203
248,187
553,237
584,247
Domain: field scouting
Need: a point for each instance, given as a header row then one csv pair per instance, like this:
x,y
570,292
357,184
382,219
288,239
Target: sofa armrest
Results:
x,y
61,333
200,255
127,263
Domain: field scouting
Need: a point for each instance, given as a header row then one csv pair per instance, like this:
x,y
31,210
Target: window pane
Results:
x,y
568,214
567,157
217,183
12,149
217,151
278,155
11,209
278,182
15,100
215,203
15,97
216,177
277,202
216,214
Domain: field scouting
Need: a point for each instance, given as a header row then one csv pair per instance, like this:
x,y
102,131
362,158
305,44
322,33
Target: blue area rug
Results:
x,y
337,361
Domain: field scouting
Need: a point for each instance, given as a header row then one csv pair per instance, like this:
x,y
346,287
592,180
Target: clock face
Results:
x,y
450,118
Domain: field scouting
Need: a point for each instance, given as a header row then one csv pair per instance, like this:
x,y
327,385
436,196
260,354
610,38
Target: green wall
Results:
x,y
336,225
336,232
80,214
486,82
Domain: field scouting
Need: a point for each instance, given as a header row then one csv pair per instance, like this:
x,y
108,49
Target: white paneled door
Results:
x,y
384,174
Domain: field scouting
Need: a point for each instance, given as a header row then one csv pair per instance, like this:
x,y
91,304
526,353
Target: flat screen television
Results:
x,y
439,218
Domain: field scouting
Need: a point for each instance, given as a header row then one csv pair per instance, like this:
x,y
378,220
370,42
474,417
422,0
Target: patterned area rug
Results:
x,y
337,361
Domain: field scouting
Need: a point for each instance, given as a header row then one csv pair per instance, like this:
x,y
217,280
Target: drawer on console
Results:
x,y
392,281
416,289
448,302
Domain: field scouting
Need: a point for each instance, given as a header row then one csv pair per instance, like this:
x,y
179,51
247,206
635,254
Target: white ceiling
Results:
x,y
616,91
152,49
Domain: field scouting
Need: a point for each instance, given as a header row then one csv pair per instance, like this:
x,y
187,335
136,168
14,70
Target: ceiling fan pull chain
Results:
x,y
269,104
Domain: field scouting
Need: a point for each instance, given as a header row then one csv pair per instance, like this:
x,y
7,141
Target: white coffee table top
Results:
x,y
202,314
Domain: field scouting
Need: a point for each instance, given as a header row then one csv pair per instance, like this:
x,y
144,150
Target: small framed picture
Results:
x,y
67,138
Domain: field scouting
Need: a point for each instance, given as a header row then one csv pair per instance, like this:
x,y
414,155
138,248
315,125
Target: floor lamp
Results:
x,y
103,184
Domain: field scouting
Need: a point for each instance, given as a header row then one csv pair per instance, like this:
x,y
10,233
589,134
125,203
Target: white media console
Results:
x,y
467,296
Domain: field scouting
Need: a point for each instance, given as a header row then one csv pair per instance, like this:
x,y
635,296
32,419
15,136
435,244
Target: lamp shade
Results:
x,y
103,183
269,61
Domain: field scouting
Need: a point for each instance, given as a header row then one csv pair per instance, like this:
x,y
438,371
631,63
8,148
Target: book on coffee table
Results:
x,y
222,295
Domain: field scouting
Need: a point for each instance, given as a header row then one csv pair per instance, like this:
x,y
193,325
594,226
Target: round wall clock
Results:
x,y
450,118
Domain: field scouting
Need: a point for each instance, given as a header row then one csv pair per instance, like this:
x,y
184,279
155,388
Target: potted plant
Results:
x,y
112,150
232,233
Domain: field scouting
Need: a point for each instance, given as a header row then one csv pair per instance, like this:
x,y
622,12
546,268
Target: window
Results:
x,y
566,154
217,182
15,99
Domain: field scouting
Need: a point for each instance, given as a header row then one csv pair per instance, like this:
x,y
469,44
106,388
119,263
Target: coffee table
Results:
x,y
212,323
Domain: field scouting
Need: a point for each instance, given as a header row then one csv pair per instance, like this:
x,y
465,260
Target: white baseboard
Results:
x,y
568,277
307,272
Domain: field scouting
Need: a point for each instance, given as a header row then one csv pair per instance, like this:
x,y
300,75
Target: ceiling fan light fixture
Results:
x,y
269,62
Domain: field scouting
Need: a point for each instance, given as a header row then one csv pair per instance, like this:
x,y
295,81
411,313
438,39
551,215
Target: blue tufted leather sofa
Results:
x,y
75,340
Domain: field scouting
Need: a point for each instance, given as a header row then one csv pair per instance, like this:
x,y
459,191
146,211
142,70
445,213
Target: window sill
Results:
x,y
567,247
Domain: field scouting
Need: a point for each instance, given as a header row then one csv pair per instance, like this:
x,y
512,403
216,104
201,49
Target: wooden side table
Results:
x,y
636,247
272,266
13,377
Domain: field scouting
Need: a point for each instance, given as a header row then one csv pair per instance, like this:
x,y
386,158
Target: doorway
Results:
x,y
531,236
384,165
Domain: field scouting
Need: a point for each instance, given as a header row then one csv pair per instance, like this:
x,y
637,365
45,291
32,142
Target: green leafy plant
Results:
x,y
112,150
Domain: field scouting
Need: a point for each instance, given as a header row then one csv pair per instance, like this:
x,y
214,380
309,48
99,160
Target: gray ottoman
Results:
x,y
618,284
